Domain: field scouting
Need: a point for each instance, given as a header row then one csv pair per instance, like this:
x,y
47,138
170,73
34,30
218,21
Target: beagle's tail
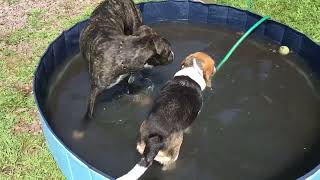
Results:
x,y
153,145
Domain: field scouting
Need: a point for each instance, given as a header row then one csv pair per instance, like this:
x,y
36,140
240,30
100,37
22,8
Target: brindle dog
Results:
x,y
115,44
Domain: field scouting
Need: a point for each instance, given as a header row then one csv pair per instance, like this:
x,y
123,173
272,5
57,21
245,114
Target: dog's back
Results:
x,y
175,108
121,16
110,18
161,134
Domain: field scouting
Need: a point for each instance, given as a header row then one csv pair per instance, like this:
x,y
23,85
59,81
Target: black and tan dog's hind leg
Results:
x,y
169,155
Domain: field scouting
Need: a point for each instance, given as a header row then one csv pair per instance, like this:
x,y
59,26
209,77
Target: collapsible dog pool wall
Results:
x,y
67,45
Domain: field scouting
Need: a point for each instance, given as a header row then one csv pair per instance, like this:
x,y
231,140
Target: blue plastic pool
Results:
x,y
67,45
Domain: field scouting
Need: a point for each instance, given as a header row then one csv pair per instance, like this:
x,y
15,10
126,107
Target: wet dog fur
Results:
x,y
116,43
172,113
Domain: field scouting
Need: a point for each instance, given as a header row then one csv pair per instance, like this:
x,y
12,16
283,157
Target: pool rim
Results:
x,y
49,133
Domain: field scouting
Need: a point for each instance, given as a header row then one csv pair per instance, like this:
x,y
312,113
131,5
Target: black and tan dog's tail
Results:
x,y
153,145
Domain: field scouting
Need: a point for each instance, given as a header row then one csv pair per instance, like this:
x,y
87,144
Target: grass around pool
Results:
x,y
23,151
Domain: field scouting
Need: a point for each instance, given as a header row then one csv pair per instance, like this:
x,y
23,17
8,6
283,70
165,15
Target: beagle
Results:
x,y
173,111
115,44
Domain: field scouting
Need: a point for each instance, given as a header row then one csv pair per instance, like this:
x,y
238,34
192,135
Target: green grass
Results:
x,y
300,15
35,19
22,155
25,156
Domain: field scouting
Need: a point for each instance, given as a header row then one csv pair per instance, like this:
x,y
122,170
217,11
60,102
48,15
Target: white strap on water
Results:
x,y
134,174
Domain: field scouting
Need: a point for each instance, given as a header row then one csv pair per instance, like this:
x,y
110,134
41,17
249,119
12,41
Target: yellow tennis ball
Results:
x,y
284,50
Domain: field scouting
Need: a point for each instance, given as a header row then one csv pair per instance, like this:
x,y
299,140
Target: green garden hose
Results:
x,y
243,37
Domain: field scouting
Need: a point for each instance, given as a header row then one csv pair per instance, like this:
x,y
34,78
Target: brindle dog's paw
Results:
x,y
78,134
141,100
139,90
138,84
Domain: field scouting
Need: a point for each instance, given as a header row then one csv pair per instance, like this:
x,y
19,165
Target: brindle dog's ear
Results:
x,y
145,36
161,45
162,49
143,31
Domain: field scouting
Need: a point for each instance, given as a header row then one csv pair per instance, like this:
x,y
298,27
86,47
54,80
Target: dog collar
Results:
x,y
195,73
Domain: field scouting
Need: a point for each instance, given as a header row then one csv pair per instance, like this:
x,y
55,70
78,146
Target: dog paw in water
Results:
x,y
169,167
138,83
78,135
141,99
140,89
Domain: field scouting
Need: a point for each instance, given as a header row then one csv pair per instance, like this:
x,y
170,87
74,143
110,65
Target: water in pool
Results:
x,y
260,121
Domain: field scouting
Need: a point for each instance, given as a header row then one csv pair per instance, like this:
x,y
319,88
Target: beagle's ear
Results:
x,y
207,78
208,71
207,66
187,62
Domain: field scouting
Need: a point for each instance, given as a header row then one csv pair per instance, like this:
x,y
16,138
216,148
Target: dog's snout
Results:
x,y
214,69
172,54
171,57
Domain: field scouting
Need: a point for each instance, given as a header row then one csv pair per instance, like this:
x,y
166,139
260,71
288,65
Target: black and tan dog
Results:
x,y
173,111
115,43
